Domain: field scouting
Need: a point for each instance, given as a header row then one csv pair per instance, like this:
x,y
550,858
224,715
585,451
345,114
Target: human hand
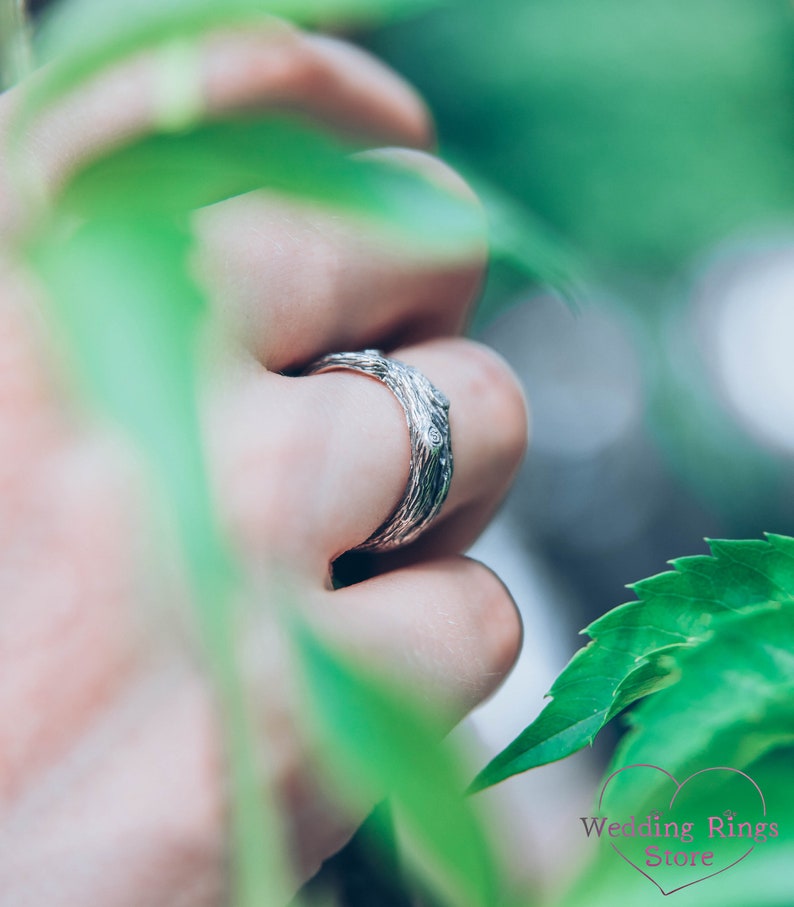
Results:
x,y
111,779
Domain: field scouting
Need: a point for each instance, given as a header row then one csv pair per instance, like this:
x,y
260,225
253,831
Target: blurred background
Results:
x,y
642,153
639,157
654,143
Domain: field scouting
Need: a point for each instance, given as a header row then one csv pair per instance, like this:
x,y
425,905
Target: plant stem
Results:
x,y
16,57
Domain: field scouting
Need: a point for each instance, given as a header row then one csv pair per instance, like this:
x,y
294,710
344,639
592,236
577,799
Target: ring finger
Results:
x,y
344,438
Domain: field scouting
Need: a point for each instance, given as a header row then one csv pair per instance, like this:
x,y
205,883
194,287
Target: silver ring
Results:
x,y
427,416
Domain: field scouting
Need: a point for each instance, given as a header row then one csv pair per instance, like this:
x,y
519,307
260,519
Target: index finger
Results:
x,y
267,67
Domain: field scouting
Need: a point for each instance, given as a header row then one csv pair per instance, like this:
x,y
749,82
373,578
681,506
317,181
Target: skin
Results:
x,y
111,776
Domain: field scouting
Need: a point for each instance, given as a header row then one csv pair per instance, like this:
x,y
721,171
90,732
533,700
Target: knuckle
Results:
x,y
241,65
311,71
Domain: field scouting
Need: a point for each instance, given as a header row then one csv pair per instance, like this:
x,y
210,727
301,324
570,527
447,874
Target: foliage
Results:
x,y
711,640
169,174
640,133
708,648
637,649
378,739
115,253
15,54
648,137
763,879
523,250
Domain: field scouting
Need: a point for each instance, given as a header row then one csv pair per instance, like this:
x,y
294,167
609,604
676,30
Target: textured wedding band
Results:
x,y
427,416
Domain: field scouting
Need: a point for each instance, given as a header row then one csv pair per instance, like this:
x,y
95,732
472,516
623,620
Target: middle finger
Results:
x,y
296,281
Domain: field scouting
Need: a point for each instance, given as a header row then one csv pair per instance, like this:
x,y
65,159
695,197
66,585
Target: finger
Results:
x,y
445,632
296,282
449,628
490,436
344,437
451,534
368,99
274,66
30,424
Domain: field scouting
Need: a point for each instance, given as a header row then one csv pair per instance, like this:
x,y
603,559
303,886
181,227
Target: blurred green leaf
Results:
x,y
632,645
521,242
763,880
379,740
640,132
177,172
15,51
131,315
119,281
120,294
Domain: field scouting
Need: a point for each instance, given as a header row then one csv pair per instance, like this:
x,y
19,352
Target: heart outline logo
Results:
x,y
678,788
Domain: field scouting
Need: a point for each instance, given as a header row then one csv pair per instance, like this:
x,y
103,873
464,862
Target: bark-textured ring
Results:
x,y
427,416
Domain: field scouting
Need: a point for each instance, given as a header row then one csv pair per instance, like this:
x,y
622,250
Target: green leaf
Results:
x,y
616,121
522,243
379,740
121,296
763,880
15,52
177,172
734,702
130,312
631,647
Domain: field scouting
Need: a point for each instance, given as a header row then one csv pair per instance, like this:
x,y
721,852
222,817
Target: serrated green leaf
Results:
x,y
658,670
734,701
175,173
379,740
675,610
